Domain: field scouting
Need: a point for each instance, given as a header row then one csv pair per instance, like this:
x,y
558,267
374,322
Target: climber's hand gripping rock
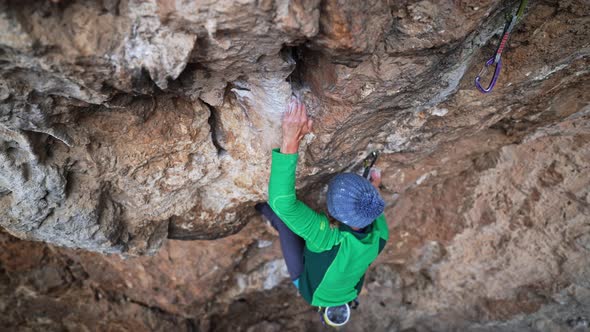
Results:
x,y
375,177
296,124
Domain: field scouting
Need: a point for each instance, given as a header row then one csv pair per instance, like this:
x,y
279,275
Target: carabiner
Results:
x,y
485,70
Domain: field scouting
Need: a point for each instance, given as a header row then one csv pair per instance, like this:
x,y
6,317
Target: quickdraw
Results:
x,y
497,57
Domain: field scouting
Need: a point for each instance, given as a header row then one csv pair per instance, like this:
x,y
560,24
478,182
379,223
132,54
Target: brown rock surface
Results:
x,y
127,125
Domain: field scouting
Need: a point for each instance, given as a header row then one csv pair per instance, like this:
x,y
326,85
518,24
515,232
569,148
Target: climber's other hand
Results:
x,y
375,176
296,124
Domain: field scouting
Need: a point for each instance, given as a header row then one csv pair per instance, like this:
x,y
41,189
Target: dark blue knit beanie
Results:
x,y
353,200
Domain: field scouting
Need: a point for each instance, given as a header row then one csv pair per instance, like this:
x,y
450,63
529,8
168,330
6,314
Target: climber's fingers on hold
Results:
x,y
298,115
291,115
291,106
375,176
302,112
294,112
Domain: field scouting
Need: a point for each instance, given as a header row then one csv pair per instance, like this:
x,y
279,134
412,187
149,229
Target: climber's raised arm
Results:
x,y
301,219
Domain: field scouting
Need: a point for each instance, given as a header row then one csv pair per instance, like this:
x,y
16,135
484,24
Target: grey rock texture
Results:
x,y
128,125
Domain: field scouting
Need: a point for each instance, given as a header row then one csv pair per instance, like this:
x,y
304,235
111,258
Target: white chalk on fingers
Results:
x,y
291,106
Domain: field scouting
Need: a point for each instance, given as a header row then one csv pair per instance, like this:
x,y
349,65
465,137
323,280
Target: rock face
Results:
x,y
128,125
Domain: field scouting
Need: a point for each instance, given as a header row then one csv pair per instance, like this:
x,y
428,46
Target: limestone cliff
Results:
x,y
126,126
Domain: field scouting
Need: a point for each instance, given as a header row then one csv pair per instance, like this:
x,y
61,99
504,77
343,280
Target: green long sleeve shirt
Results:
x,y
335,259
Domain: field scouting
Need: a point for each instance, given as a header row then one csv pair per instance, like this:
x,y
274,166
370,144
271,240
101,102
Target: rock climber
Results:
x,y
327,264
